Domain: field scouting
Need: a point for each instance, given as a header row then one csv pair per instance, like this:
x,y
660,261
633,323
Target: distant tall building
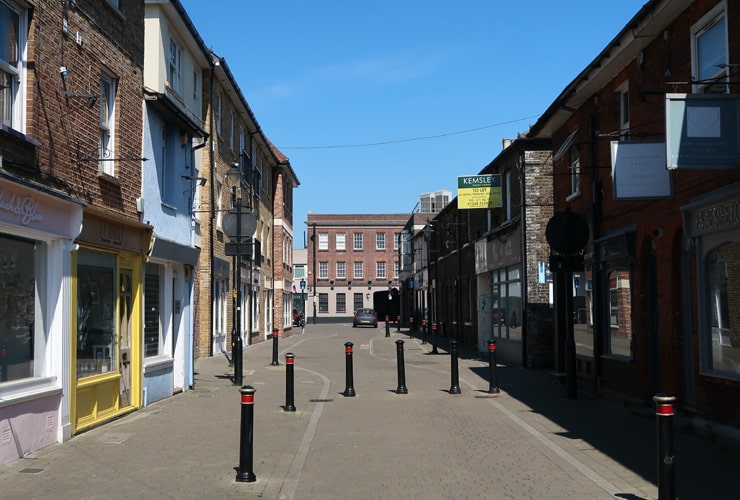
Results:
x,y
432,203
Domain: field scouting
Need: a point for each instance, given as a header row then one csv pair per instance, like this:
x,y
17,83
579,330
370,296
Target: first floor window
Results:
x,y
341,241
357,241
380,270
341,303
22,336
323,270
358,270
323,302
380,241
341,270
106,124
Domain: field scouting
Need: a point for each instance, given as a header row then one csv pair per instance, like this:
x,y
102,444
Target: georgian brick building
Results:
x,y
353,262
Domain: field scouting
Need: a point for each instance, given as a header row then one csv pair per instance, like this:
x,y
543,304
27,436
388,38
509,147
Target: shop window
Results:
x,y
722,266
22,341
582,311
153,310
620,313
506,303
97,341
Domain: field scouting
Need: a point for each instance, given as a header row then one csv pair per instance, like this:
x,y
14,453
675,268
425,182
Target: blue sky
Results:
x,y
377,102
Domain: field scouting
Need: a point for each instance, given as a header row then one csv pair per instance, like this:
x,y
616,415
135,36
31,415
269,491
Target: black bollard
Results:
x,y
424,331
275,361
244,473
387,327
349,391
289,382
401,369
398,324
492,379
666,458
434,339
455,385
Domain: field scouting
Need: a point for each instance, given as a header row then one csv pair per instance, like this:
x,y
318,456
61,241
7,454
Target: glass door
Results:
x,y
125,325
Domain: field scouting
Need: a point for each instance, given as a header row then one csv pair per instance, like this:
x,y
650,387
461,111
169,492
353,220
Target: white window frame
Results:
x,y
396,241
107,125
379,241
380,270
359,270
357,242
323,270
341,270
711,19
13,111
623,98
574,169
341,241
174,66
323,241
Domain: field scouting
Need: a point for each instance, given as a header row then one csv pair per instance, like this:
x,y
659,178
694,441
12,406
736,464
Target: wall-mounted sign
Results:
x,y
639,170
479,191
702,131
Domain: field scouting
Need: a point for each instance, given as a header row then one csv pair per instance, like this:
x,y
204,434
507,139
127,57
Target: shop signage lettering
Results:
x,y
718,216
26,208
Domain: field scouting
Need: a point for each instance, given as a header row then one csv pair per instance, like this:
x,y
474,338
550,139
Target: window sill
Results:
x,y
19,391
103,176
156,363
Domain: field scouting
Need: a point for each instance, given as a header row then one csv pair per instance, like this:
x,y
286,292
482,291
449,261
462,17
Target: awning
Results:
x,y
170,250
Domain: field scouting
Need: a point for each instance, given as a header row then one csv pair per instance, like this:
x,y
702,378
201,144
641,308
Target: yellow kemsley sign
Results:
x,y
479,191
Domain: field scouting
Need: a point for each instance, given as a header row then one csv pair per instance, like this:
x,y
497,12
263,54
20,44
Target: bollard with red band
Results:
x,y
275,335
245,473
401,369
492,379
454,375
424,331
289,382
666,458
349,390
434,339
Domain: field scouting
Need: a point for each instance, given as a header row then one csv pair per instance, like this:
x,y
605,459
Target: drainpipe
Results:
x,y
523,256
215,61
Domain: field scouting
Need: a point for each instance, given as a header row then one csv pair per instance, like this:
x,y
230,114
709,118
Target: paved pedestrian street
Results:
x,y
527,442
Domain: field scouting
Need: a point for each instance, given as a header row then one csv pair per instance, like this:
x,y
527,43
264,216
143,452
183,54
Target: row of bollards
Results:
x,y
245,472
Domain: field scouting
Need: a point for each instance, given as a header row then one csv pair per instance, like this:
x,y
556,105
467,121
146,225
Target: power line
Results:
x,y
425,138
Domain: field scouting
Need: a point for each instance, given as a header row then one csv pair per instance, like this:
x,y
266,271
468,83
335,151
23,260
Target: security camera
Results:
x,y
63,71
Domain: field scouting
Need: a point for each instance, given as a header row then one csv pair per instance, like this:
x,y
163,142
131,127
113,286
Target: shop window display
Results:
x,y
19,341
723,273
96,336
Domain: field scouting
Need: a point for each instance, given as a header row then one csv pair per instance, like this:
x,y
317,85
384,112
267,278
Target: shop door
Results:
x,y
125,325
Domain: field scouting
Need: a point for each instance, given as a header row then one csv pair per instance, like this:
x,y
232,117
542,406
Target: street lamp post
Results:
x,y
239,224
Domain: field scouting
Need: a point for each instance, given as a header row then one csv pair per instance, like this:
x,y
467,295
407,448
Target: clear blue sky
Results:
x,y
377,102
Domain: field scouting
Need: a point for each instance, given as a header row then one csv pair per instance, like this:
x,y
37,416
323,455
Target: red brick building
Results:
x,y
658,284
353,263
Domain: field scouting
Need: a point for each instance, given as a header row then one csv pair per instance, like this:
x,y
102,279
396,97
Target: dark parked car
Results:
x,y
365,317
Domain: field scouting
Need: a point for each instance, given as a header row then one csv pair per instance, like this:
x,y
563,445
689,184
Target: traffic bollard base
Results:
x,y
349,393
246,477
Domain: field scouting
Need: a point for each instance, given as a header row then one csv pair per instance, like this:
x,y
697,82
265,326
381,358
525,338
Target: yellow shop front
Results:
x,y
107,312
